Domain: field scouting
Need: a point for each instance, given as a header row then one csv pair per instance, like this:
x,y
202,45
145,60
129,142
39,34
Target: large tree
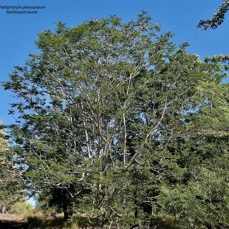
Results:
x,y
114,119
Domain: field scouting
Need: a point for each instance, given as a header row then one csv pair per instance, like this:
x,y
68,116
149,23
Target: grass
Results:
x,y
38,219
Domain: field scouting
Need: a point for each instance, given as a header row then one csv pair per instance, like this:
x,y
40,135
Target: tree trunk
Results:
x,y
68,211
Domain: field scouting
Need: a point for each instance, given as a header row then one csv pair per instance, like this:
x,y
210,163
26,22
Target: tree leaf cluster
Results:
x,y
217,18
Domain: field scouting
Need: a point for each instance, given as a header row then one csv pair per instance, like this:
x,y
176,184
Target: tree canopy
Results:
x,y
117,122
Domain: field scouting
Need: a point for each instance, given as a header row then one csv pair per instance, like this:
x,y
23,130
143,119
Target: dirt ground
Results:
x,y
8,221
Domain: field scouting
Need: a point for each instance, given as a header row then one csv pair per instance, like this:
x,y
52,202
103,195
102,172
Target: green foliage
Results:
x,y
118,124
11,184
217,19
21,208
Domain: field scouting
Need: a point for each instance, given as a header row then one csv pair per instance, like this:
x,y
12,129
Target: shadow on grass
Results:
x,y
82,222
35,222
12,225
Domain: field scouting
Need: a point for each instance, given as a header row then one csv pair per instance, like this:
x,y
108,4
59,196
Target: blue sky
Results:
x,y
18,32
